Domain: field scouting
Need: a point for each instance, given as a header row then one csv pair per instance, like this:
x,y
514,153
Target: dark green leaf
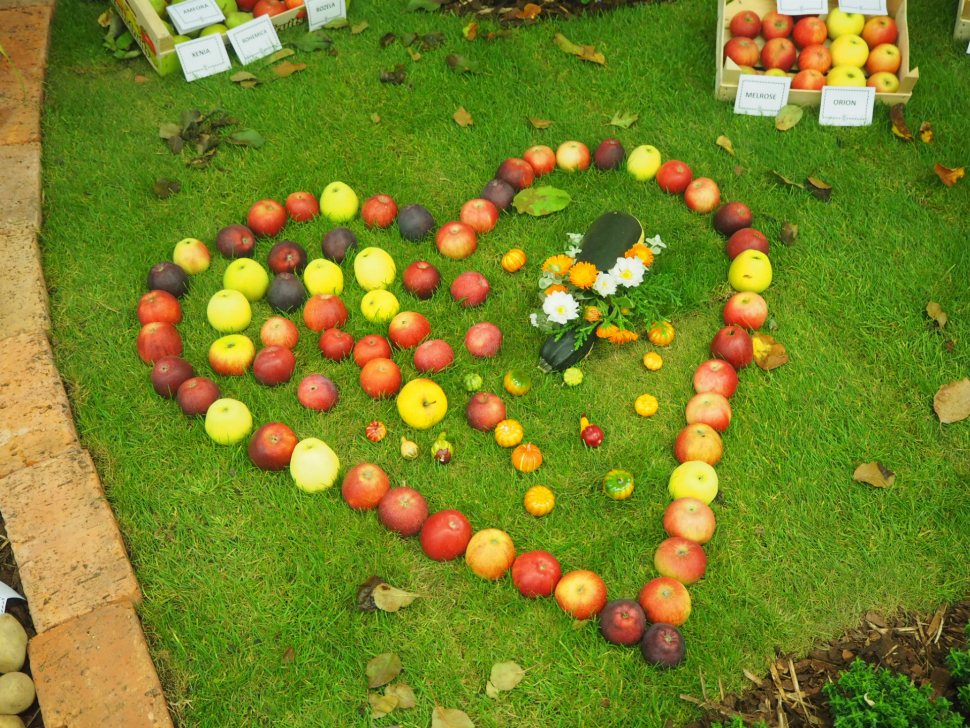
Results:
x,y
189,118
394,75
246,138
430,41
624,120
316,40
539,201
463,64
165,188
788,233
408,38
176,144
337,23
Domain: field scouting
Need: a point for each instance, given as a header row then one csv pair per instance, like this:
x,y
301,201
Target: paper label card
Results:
x,y
6,594
968,49
761,95
864,7
194,15
803,7
847,105
205,56
321,12
254,39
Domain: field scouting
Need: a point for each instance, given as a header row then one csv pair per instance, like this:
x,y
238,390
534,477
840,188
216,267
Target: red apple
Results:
x,y
746,239
470,289
747,310
698,442
689,518
884,58
269,7
287,257
572,156
302,206
236,241
279,331
779,53
484,411
711,409
665,600
271,446
734,345
609,155
364,486
324,311
433,356
663,646
445,535
379,211
673,176
170,373
403,510
815,58
880,29
516,172
196,395
490,553
809,31
680,559
158,339
581,594
336,344
536,573
809,80
716,376
480,215
483,340
266,218
273,365
732,217
317,392
456,240
541,158
371,347
422,279
746,24
159,307
742,51
702,195
380,378
408,329
622,622
775,26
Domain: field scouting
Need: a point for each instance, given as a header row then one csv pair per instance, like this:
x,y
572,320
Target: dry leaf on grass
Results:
x,y
875,474
403,693
287,69
387,39
539,123
390,599
820,189
382,669
462,117
585,53
899,123
415,56
768,353
623,120
948,176
784,180
504,677
935,312
462,64
952,401
394,76
450,718
365,593
381,705
724,143
926,132
375,117
530,11
359,28
289,655
470,31
788,117
141,79
278,56
788,233
165,188
738,171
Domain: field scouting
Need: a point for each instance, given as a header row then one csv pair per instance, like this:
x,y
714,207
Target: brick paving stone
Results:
x,y
25,35
20,188
5,4
20,111
23,292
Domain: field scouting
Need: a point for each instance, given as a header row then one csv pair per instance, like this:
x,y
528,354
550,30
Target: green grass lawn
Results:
x,y
237,565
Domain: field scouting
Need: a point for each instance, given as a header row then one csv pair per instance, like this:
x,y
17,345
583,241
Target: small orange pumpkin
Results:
x,y
513,260
509,433
518,382
539,500
526,458
646,405
661,333
652,361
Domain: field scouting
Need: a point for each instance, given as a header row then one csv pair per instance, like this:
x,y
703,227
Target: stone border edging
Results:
x,y
90,661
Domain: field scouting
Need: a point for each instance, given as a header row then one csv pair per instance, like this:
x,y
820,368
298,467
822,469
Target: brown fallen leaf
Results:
x,y
529,12
768,353
462,118
382,669
738,171
952,401
935,312
375,117
820,189
470,31
381,705
784,180
289,655
403,693
926,132
585,53
875,474
287,69
141,79
724,143
394,75
450,718
950,346
899,123
539,123
359,28
365,592
788,233
390,599
948,176
387,39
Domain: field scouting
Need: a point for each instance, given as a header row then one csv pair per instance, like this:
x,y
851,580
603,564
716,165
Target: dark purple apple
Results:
x,y
336,243
170,373
415,222
500,193
168,277
663,646
732,217
622,622
236,241
287,257
286,293
609,154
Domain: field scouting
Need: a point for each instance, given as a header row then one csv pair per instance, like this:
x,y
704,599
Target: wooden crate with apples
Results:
x,y
157,43
962,29
728,72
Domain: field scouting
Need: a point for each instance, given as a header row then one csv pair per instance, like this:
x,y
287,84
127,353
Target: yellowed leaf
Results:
x,y
415,56
288,69
936,312
899,123
768,353
381,705
948,176
506,675
539,123
530,11
926,132
450,718
382,669
141,79
359,28
462,117
875,474
403,693
724,143
586,53
375,117
470,31
952,401
390,599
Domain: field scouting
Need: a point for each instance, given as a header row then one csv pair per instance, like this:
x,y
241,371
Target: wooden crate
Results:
x,y
962,29
157,43
728,72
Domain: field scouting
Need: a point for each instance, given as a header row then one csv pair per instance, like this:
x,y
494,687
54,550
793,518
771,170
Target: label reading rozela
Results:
x,y
803,7
254,39
846,105
321,12
761,95
205,56
195,15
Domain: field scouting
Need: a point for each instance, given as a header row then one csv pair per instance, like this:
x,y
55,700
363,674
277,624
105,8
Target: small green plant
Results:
x,y
738,723
867,697
959,663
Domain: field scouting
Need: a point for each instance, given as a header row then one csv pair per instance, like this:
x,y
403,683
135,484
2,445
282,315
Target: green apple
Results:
x,y
227,421
775,72
643,163
323,276
338,202
693,479
839,23
192,255
374,269
229,312
179,39
379,307
227,6
750,271
169,27
170,62
846,76
313,465
159,6
248,277
217,29
234,20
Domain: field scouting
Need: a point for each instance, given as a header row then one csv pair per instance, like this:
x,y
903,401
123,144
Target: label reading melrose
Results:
x,y
803,7
203,57
195,15
864,7
761,95
847,105
321,12
254,39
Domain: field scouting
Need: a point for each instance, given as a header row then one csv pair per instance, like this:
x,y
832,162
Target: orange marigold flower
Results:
x,y
583,275
642,252
605,332
558,265
555,287
592,314
623,337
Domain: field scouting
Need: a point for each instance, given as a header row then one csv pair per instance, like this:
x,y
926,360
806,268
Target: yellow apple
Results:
x,y
338,203
643,163
750,271
192,256
313,465
374,269
849,50
422,404
323,276
217,29
227,421
884,82
229,312
248,277
775,72
693,479
845,76
379,307
840,23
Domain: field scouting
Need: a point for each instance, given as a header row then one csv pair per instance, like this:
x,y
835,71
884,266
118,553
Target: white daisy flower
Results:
x,y
560,307
655,244
628,271
605,284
